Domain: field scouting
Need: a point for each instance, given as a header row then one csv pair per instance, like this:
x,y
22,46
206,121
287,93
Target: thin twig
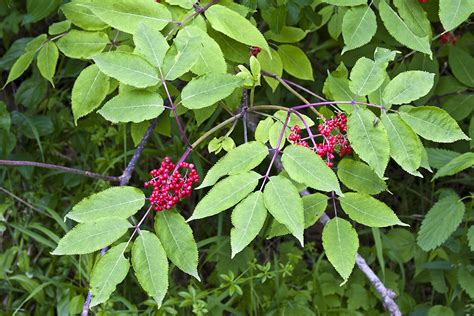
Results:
x,y
89,174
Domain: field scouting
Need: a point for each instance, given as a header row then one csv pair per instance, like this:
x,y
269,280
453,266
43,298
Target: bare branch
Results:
x,y
89,174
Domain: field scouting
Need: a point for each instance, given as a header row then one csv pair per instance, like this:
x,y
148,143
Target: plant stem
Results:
x,y
175,113
89,174
215,129
198,10
276,150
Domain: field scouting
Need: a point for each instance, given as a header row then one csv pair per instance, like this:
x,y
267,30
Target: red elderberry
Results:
x,y
423,1
334,136
169,185
448,38
254,50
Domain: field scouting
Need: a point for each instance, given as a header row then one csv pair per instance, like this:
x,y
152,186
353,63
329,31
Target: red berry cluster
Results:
x,y
334,136
448,38
254,51
169,185
423,1
295,137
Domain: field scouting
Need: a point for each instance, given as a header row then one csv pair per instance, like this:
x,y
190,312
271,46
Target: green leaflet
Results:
x,y
225,194
314,206
116,202
295,62
434,124
150,44
345,2
405,148
133,106
20,66
150,265
38,10
126,15
91,236
459,106
88,92
359,177
454,12
240,159
408,86
368,141
181,57
415,17
466,279
470,237
401,244
358,27
340,243
262,130
399,29
186,4
336,87
206,90
335,23
366,76
81,44
440,222
305,166
273,65
274,134
232,50
461,64
128,68
59,27
248,218
287,34
81,16
110,270
438,157
47,60
235,26
210,59
178,241
368,211
285,204
456,165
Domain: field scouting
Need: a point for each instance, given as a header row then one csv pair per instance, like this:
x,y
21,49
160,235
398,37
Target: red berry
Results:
x,y
254,50
170,186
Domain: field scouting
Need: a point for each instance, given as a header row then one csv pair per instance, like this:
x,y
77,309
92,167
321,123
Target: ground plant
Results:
x,y
253,157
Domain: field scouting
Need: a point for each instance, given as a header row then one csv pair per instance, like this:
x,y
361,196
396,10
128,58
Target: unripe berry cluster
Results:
x,y
334,136
169,185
